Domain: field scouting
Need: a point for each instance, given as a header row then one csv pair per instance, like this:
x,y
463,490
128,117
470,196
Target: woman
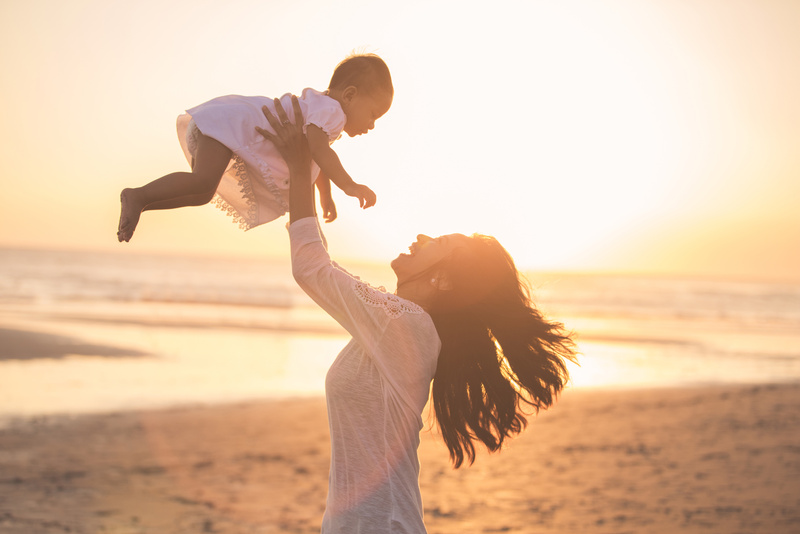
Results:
x,y
461,317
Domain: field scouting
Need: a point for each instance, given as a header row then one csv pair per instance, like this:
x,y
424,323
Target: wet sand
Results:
x,y
716,460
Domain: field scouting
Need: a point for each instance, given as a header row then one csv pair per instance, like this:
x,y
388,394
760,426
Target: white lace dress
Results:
x,y
376,391
255,187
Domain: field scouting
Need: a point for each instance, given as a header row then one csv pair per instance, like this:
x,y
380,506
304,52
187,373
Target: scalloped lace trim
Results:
x,y
269,181
393,305
247,220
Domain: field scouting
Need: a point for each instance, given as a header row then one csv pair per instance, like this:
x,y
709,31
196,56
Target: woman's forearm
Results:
x,y
301,193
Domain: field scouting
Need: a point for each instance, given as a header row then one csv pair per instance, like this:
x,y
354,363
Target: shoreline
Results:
x,y
721,458
18,420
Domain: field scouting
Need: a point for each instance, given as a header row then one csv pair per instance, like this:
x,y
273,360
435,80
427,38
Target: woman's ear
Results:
x,y
441,282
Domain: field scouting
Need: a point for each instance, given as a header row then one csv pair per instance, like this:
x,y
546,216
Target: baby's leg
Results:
x,y
178,189
180,202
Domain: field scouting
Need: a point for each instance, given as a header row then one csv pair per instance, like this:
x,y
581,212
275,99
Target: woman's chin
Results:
x,y
398,262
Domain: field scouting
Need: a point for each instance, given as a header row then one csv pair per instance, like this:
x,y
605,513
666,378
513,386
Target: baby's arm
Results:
x,y
330,164
325,199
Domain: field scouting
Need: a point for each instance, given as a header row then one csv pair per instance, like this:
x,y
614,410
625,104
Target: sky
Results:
x,y
657,136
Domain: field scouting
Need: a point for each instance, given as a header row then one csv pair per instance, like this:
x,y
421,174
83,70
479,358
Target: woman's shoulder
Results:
x,y
378,297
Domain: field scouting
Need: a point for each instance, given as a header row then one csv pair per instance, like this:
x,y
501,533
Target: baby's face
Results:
x,y
363,110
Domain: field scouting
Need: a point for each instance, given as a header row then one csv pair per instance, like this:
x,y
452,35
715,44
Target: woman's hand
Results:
x,y
292,144
288,138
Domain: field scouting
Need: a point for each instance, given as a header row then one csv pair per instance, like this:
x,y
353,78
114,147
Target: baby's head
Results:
x,y
362,85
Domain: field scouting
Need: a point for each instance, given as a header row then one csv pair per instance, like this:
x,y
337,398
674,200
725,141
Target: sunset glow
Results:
x,y
613,136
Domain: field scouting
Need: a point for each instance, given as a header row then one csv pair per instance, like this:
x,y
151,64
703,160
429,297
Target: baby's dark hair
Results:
x,y
367,72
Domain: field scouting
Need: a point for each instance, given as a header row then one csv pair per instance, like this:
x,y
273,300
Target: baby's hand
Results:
x,y
328,207
366,198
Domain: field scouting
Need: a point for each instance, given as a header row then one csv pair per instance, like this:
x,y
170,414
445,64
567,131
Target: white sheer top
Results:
x,y
376,391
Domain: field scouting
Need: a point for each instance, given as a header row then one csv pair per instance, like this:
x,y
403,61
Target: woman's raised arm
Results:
x,y
292,144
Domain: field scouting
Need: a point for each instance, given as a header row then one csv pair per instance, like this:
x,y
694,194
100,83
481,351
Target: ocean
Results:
x,y
88,332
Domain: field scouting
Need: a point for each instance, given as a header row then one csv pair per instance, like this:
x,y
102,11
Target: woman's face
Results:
x,y
426,252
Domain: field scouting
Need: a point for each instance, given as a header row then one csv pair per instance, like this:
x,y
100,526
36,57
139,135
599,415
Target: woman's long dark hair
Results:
x,y
499,354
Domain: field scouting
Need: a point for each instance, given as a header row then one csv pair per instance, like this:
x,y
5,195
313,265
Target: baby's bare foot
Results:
x,y
129,214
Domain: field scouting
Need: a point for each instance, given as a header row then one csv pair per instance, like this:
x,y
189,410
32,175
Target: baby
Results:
x,y
233,162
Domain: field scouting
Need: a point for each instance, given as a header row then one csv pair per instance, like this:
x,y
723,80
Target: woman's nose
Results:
x,y
422,238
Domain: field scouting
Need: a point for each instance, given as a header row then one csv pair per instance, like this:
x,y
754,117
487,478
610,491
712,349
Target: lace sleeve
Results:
x,y
364,311
393,305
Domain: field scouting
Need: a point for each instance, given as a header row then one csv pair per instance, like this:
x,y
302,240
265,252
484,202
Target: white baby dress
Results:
x,y
255,187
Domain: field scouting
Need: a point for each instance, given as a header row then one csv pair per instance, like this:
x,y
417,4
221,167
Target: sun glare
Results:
x,y
563,128
568,142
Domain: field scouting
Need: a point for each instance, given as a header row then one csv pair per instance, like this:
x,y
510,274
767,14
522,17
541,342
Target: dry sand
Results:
x,y
717,460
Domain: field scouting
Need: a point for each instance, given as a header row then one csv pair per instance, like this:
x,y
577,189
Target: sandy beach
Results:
x,y
721,460
181,420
